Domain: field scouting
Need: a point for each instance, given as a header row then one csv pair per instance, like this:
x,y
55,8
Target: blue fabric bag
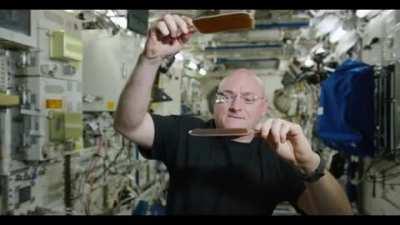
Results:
x,y
345,119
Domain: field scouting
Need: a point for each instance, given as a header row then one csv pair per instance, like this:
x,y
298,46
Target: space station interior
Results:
x,y
62,73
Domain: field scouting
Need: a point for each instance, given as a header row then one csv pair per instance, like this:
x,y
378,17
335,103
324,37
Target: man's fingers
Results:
x,y
275,130
265,129
258,126
185,38
183,27
162,27
171,24
174,27
295,129
190,24
284,131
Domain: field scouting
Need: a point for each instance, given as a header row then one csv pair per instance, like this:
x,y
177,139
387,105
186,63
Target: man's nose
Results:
x,y
236,104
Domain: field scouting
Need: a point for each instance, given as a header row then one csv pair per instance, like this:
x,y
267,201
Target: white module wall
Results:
x,y
38,91
108,61
38,61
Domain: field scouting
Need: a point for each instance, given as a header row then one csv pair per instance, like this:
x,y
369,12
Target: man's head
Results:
x,y
240,101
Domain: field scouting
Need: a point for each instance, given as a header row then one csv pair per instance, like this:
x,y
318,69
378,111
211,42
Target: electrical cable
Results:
x,y
87,178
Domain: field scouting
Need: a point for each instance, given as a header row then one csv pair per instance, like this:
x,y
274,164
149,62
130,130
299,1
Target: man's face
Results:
x,y
242,102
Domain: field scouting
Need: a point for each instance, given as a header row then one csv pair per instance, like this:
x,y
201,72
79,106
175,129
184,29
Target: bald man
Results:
x,y
242,175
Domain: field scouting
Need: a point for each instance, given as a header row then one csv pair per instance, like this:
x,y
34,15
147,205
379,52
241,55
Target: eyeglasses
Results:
x,y
247,98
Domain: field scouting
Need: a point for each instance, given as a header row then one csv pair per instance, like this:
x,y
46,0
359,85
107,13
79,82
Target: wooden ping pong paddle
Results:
x,y
235,21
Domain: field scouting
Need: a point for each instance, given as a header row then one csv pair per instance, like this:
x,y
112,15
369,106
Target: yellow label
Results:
x,y
54,103
110,105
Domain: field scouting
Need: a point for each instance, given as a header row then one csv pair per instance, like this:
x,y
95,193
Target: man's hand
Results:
x,y
167,36
325,197
289,142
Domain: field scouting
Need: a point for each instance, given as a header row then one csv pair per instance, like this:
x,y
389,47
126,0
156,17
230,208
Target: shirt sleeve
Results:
x,y
166,139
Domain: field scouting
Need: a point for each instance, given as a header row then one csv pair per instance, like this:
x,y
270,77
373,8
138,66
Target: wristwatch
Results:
x,y
317,174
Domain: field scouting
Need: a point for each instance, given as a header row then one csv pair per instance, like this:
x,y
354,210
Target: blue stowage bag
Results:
x,y
345,120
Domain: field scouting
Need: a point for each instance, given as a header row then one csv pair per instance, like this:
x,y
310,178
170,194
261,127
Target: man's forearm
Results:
x,y
135,98
327,197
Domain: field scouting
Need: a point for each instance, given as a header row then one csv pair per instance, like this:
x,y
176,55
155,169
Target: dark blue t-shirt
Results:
x,y
214,175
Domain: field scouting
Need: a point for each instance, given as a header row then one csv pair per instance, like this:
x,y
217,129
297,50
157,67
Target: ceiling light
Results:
x,y
309,62
327,25
336,35
192,65
362,13
202,72
110,13
120,21
100,11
